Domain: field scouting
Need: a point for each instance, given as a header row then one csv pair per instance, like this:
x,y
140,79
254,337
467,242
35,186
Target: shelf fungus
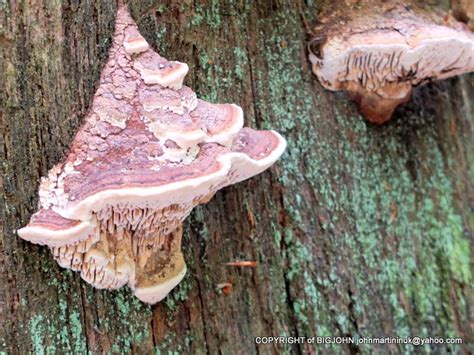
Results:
x,y
147,153
378,57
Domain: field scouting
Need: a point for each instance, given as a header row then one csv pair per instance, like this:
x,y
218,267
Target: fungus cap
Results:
x,y
147,153
380,58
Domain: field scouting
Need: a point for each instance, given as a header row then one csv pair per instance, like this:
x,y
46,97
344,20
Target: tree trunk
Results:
x,y
358,230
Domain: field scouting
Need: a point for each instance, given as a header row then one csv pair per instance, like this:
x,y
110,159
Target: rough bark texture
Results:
x,y
358,230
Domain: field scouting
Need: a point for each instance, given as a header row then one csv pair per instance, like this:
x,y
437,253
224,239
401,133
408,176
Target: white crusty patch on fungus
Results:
x,y
148,152
379,58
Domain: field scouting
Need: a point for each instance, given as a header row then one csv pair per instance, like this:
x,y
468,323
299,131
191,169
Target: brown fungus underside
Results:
x,y
378,54
147,153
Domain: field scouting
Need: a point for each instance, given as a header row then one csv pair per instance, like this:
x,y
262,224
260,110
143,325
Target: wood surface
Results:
x,y
358,230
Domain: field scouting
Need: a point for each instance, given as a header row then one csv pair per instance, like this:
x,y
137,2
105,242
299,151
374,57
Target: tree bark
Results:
x,y
358,230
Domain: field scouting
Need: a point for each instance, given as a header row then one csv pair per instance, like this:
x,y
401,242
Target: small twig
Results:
x,y
242,263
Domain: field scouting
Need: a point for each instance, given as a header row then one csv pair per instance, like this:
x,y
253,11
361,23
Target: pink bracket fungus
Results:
x,y
147,153
379,57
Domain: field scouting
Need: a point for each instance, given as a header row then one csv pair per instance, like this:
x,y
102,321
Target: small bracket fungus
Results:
x,y
379,57
147,153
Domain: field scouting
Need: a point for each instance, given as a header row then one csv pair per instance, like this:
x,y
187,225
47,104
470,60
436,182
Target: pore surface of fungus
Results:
x,y
147,153
380,56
